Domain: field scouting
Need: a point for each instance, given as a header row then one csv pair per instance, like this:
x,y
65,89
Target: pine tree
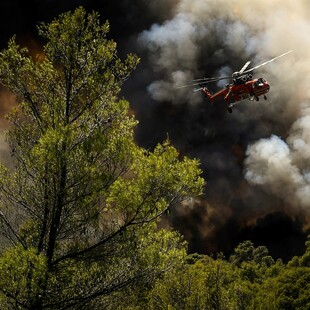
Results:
x,y
79,207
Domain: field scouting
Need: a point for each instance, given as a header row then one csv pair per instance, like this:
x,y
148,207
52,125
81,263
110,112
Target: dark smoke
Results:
x,y
255,161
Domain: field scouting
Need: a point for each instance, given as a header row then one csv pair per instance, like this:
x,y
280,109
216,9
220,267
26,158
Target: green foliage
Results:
x,y
252,261
243,253
158,180
206,283
23,276
160,252
304,260
82,196
289,290
293,289
200,285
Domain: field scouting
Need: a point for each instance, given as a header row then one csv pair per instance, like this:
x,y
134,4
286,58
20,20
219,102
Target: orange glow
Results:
x,y
35,48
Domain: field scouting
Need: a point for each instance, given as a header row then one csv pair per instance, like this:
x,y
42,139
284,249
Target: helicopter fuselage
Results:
x,y
237,91
243,86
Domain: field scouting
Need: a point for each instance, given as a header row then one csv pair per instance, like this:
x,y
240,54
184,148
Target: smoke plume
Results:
x,y
255,160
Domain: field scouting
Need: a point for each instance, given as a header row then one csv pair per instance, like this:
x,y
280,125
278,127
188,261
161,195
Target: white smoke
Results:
x,y
217,36
173,50
270,164
283,167
210,33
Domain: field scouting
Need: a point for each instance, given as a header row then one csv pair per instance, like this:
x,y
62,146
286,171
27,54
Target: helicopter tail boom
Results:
x,y
208,93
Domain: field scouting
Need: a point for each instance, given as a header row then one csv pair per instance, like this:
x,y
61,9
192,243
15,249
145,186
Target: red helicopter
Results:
x,y
243,86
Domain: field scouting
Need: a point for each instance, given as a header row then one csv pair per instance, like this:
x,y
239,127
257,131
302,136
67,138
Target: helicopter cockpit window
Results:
x,y
259,82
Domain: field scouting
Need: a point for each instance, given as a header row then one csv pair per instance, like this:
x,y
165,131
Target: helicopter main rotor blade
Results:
x,y
244,67
194,84
208,79
205,81
213,79
265,63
